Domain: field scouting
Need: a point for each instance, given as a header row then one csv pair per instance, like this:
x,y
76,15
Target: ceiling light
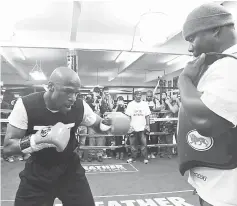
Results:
x,y
16,95
36,73
128,56
111,78
140,89
92,86
174,60
114,91
181,59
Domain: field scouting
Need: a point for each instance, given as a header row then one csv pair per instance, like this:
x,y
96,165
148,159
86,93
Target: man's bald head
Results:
x,y
149,92
65,76
63,89
149,95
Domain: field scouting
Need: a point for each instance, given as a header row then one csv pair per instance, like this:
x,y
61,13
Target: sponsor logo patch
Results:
x,y
45,131
199,142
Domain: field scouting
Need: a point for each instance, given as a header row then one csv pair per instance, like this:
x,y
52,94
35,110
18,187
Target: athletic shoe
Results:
x,y
131,160
146,161
153,156
10,159
20,158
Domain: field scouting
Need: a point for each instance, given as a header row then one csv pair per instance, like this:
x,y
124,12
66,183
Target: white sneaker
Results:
x,y
149,156
20,158
153,156
10,159
146,161
131,160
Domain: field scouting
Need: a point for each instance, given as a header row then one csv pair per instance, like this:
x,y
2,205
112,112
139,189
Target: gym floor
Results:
x,y
116,183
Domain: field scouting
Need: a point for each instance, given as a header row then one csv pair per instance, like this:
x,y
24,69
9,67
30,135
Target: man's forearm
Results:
x,y
157,109
148,120
172,108
11,147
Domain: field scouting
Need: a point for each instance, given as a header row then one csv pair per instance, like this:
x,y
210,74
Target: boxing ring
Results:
x,y
117,183
110,135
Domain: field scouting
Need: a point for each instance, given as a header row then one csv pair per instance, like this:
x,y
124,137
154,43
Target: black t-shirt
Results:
x,y
39,115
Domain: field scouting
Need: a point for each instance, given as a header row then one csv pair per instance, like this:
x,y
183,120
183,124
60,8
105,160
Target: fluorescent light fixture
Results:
x,y
181,59
92,86
174,60
88,86
128,56
140,89
71,48
114,91
37,75
111,79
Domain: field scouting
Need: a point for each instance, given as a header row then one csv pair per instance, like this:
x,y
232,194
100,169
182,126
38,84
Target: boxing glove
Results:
x,y
105,125
52,136
118,122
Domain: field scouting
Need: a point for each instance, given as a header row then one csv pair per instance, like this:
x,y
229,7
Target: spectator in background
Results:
x,y
139,112
97,98
107,104
119,107
81,140
155,107
89,100
96,141
171,107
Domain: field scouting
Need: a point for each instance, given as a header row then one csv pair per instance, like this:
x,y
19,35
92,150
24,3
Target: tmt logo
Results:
x,y
199,142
